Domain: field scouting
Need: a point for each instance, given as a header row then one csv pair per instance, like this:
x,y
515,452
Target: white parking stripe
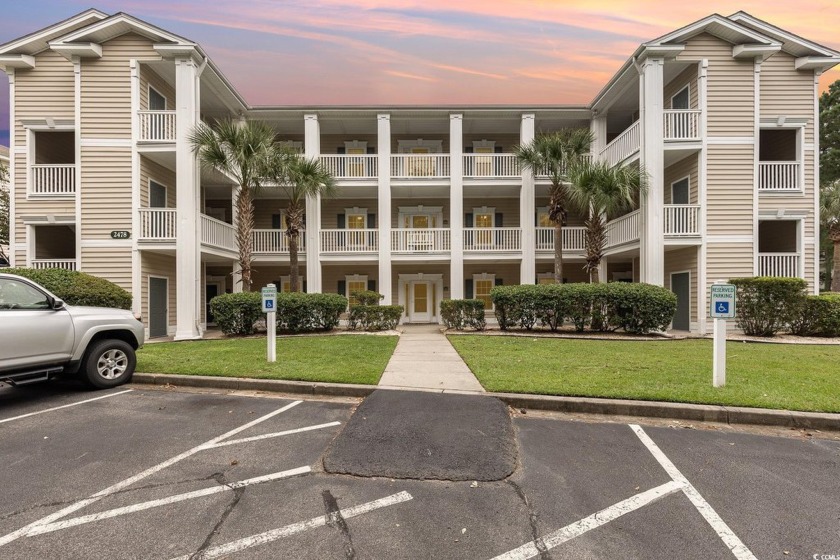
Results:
x,y
730,539
277,434
64,406
23,531
294,528
58,525
576,529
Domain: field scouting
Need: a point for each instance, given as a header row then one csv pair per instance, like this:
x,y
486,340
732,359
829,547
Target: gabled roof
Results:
x,y
38,41
116,25
717,25
792,44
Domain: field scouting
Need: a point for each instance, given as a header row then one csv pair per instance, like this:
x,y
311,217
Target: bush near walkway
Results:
x,y
463,314
767,305
820,316
77,288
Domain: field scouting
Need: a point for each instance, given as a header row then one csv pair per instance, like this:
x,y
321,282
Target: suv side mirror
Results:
x,y
57,304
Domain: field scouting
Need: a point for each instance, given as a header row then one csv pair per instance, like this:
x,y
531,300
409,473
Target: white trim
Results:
x,y
13,152
55,29
404,279
686,178
434,146
671,287
136,257
105,143
484,144
353,278
815,190
730,140
756,155
421,210
158,183
355,145
702,188
355,211
780,33
77,138
686,87
149,301
49,124
484,276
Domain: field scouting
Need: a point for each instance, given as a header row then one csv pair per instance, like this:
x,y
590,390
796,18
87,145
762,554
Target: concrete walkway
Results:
x,y
424,359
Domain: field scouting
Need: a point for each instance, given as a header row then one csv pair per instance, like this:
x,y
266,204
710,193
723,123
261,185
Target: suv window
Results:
x,y
17,295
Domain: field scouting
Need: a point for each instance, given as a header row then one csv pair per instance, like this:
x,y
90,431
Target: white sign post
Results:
x,y
269,307
721,308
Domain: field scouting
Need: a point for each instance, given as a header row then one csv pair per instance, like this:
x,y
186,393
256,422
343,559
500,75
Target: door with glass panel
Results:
x,y
421,303
356,234
482,289
356,165
421,166
418,239
483,239
483,163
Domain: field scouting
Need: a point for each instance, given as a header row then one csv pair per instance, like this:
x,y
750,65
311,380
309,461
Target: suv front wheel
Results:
x,y
108,363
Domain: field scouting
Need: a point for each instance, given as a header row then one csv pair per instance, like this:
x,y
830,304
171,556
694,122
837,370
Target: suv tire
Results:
x,y
108,363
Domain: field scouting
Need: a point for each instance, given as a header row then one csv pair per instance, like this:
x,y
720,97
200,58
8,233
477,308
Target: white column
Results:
x,y
527,210
602,271
312,149
652,261
13,242
383,142
136,261
456,206
702,288
188,244
598,126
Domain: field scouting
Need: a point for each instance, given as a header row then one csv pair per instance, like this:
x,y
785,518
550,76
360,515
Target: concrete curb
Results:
x,y
584,405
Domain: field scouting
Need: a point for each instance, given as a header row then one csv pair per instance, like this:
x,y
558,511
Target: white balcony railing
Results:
x,y
623,146
349,240
65,264
574,238
432,240
412,166
158,224
351,166
495,239
778,176
625,229
682,124
54,180
157,126
682,220
491,165
273,241
218,234
778,264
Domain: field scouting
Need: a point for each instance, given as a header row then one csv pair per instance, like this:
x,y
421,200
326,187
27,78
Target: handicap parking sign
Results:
x,y
722,307
722,301
269,297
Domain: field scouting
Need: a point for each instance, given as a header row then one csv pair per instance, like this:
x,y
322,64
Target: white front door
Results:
x,y
420,301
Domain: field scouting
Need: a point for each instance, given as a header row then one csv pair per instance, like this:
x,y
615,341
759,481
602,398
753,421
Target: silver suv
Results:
x,y
41,337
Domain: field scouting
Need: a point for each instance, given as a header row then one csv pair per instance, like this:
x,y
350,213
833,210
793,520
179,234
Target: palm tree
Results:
x,y
830,219
244,151
553,154
607,192
301,178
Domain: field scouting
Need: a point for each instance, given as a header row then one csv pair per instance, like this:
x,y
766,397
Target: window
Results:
x,y
482,290
679,191
157,195
543,219
157,102
355,284
483,164
17,295
547,278
681,99
356,221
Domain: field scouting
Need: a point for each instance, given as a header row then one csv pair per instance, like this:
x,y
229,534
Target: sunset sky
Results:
x,y
421,51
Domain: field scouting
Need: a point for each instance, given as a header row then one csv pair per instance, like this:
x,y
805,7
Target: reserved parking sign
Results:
x,y
722,301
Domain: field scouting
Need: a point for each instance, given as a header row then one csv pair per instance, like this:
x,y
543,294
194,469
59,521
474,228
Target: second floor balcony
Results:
x,y
157,126
53,180
420,166
160,226
779,176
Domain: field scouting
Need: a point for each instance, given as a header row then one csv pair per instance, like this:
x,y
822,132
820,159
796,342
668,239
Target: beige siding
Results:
x,y
573,271
331,142
332,275
730,190
787,92
106,191
508,207
686,77
149,77
730,86
443,137
679,170
683,260
111,263
48,90
330,209
264,208
150,170
153,264
35,207
505,141
728,260
396,203
106,87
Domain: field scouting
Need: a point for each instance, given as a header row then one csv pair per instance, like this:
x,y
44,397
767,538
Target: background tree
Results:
x,y
553,154
830,220
4,211
606,192
300,178
829,165
245,151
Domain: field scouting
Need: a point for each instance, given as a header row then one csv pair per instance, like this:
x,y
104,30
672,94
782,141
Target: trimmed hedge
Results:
x,y
236,314
767,305
77,288
375,317
367,297
634,308
297,312
820,316
463,314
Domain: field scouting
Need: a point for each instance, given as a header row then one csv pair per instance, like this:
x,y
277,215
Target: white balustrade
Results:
x,y
623,146
491,165
351,166
414,166
778,264
216,233
493,239
158,224
349,240
157,126
53,180
682,220
574,238
417,240
65,264
272,241
682,124
778,176
625,229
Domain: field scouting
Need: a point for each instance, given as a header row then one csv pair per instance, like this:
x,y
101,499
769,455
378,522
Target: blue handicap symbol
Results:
x,y
723,307
269,304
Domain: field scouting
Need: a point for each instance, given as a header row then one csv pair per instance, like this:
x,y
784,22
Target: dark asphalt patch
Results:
x,y
416,435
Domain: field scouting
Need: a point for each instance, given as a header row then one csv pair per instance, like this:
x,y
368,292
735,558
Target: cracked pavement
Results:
x,y
778,494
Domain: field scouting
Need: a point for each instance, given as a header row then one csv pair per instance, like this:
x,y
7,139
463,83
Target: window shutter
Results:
x,y
497,149
371,221
468,220
499,282
303,286
340,222
372,285
275,221
340,151
499,219
371,150
342,287
468,288
468,149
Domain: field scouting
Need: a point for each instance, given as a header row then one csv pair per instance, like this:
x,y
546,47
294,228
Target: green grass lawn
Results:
x,y
786,376
331,359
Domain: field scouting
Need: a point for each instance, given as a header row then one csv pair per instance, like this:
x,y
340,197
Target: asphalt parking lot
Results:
x,y
151,473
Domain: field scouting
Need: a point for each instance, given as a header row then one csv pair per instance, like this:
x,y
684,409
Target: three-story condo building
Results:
x,y
721,114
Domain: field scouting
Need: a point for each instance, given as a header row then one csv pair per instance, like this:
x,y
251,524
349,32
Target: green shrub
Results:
x,y
639,308
515,305
375,317
77,288
298,312
767,305
820,316
367,297
461,314
236,314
